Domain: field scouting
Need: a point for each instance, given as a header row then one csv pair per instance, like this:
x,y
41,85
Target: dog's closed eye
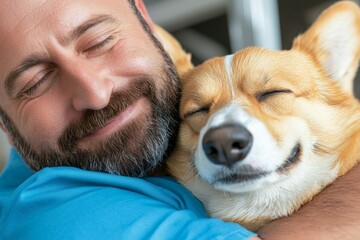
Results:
x,y
200,110
265,95
196,118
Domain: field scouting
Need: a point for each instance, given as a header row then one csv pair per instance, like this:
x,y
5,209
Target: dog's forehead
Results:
x,y
207,80
252,68
256,63
246,74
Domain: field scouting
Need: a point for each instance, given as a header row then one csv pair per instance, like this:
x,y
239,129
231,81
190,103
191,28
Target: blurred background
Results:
x,y
208,28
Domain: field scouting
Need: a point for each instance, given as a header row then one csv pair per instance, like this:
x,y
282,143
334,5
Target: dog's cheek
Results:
x,y
196,123
188,138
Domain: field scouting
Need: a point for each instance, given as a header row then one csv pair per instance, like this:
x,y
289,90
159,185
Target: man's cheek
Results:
x,y
42,130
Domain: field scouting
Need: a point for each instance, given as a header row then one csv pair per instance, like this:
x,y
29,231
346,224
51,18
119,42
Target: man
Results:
x,y
87,90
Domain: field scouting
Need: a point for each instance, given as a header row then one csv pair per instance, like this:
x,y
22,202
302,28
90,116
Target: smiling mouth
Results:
x,y
239,178
130,113
250,174
292,159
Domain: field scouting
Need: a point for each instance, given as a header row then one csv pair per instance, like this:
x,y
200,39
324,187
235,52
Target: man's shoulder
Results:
x,y
17,176
68,202
15,171
62,183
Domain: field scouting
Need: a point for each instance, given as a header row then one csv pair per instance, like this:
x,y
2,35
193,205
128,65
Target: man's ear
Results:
x,y
334,42
142,8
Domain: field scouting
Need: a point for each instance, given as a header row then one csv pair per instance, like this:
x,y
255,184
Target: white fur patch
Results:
x,y
228,62
274,200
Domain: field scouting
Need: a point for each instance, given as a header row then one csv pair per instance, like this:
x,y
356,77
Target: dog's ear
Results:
x,y
178,55
333,41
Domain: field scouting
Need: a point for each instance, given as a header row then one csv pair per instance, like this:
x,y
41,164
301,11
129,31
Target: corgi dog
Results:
x,y
263,131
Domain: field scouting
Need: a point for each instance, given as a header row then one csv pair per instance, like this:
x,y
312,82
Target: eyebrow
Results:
x,y
90,23
36,59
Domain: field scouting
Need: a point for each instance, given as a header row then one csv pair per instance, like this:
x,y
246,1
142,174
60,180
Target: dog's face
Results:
x,y
256,116
267,127
261,117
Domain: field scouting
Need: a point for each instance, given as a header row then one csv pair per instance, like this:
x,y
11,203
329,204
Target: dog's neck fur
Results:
x,y
349,148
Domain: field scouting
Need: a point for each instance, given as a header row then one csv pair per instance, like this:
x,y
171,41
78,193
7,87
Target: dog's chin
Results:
x,y
245,178
239,183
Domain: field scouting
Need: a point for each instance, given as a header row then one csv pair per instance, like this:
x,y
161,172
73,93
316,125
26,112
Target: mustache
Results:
x,y
93,120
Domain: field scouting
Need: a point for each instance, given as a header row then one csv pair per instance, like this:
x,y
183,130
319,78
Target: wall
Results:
x,y
4,149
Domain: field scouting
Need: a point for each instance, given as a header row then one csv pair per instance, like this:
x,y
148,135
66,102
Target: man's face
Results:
x,y
83,84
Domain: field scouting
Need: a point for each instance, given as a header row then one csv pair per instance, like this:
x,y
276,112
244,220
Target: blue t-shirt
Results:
x,y
70,203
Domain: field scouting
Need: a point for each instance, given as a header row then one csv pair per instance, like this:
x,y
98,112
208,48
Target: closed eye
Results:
x,y
265,95
43,82
201,110
100,45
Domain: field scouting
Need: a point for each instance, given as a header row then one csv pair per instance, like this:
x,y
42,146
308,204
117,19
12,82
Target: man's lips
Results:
x,y
129,114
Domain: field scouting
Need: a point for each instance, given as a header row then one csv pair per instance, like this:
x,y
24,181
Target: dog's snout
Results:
x,y
226,145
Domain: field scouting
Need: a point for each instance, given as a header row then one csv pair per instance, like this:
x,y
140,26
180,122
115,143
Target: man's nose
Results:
x,y
90,89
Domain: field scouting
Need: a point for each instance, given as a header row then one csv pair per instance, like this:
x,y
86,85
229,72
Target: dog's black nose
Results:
x,y
228,144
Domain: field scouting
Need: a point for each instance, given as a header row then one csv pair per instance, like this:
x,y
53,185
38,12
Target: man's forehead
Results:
x,y
15,12
26,25
19,18
24,15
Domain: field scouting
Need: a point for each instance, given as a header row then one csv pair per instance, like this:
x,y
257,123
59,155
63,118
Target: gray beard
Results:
x,y
123,152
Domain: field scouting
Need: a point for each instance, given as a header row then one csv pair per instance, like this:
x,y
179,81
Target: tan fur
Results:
x,y
320,113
